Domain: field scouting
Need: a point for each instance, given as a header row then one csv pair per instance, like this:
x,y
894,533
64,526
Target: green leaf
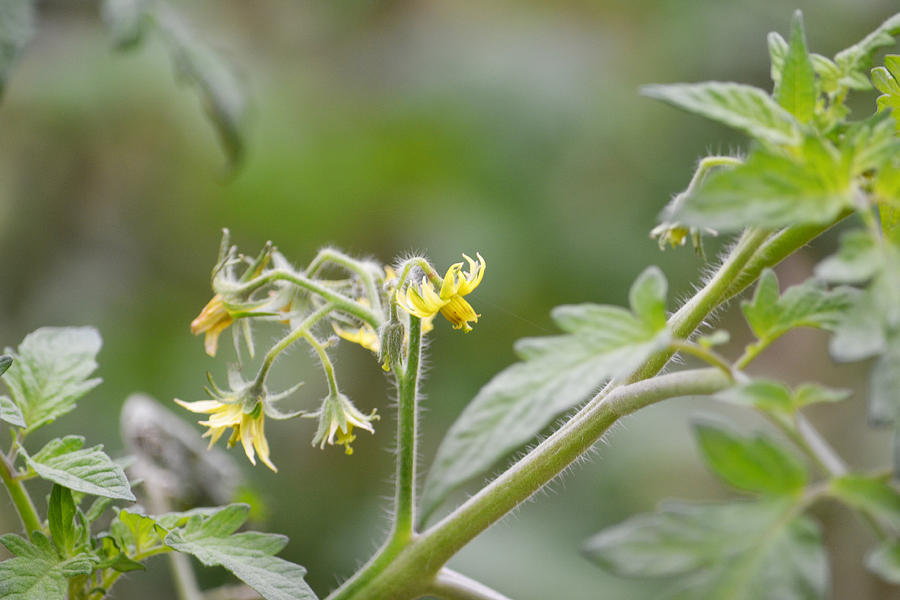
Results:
x,y
871,495
91,471
37,572
61,518
771,314
862,331
885,562
51,371
10,413
775,398
778,49
750,464
856,59
557,373
735,551
772,190
856,261
248,555
134,532
16,28
127,21
743,107
797,90
222,94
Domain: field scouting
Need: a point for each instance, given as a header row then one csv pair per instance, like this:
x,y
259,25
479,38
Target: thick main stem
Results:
x,y
20,498
405,500
407,575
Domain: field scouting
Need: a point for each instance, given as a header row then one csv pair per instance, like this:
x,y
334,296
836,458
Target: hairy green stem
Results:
x,y
408,574
354,266
778,247
19,496
706,355
285,342
404,512
450,585
395,573
692,313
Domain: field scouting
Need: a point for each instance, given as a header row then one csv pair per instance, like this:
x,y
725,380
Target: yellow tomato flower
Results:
x,y
249,428
365,336
212,320
337,418
423,301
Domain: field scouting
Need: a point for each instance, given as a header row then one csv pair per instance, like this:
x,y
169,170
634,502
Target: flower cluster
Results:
x,y
335,296
424,302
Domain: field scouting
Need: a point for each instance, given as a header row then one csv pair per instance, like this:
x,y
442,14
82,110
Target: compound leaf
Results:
x,y
248,555
90,470
743,107
51,372
751,464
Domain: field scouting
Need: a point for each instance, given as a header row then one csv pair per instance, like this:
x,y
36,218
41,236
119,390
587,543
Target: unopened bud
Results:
x,y
392,337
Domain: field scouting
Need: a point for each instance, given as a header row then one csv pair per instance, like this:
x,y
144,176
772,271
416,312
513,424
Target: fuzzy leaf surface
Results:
x,y
751,464
36,572
797,89
556,374
89,470
772,190
51,372
248,555
770,314
733,551
743,107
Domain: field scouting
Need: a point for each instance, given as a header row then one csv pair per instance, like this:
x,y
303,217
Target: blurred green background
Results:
x,y
513,128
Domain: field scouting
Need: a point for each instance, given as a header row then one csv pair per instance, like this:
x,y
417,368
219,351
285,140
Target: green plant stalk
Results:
x,y
354,266
404,502
393,574
450,585
288,340
404,512
691,315
20,498
411,573
340,301
778,247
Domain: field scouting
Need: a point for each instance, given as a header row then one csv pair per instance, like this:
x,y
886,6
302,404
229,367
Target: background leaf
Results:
x,y
856,59
50,372
871,495
16,28
558,372
808,304
10,413
249,555
743,107
734,551
885,562
91,471
750,464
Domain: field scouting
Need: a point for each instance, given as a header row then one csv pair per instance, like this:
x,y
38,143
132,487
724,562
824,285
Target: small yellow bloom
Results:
x,y
365,336
249,428
212,320
423,301
337,418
